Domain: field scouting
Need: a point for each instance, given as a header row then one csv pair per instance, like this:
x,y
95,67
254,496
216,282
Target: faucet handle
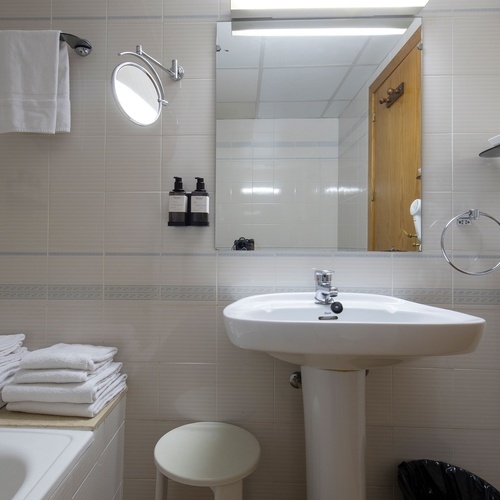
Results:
x,y
323,277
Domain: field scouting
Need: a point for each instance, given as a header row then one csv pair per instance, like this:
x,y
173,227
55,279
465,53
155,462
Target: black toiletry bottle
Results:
x,y
177,205
199,204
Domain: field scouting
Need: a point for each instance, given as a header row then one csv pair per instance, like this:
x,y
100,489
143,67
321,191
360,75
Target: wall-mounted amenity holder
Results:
x,y
188,208
81,46
465,219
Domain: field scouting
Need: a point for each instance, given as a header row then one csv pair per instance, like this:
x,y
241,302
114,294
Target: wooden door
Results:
x,y
395,152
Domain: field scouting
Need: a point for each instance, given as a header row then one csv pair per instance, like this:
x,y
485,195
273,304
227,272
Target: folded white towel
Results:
x,y
17,355
8,370
57,375
34,82
74,356
73,409
9,343
86,392
2,385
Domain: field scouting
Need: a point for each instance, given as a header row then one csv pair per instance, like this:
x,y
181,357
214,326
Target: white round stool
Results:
x,y
211,454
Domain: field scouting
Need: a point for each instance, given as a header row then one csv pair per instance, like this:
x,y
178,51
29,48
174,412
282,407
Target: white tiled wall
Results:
x,y
86,256
277,182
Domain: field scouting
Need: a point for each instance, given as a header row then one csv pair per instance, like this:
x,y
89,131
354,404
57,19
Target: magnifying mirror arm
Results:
x,y
176,72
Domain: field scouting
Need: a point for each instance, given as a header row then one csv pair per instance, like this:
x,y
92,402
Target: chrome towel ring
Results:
x,y
470,215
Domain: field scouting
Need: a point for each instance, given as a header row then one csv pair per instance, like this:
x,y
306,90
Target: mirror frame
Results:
x,y
114,79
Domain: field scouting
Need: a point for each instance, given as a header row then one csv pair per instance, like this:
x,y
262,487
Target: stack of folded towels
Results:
x,y
66,379
11,353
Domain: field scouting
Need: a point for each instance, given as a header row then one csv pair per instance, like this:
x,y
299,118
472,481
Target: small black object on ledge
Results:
x,y
243,244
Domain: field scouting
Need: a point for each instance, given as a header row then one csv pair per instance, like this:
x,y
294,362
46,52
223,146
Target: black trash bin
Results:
x,y
429,479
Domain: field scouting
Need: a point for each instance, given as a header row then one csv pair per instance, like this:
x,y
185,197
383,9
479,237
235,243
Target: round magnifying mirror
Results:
x,y
136,93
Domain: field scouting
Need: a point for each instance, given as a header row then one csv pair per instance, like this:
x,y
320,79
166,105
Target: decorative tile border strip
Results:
x,y
293,289
75,292
23,254
189,293
23,292
75,254
358,289
467,296
135,18
232,293
171,293
429,296
131,292
27,18
483,10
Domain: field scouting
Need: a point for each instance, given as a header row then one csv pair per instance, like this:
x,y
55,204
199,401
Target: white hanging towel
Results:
x,y
34,82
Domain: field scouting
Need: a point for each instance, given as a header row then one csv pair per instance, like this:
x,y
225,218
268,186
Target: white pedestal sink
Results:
x,y
372,331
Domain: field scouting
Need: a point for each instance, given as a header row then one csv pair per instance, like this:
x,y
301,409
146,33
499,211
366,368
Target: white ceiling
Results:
x,y
293,77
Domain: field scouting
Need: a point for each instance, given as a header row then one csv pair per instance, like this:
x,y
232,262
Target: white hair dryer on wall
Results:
x,y
416,213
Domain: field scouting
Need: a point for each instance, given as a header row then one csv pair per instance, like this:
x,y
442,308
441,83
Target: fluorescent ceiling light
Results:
x,y
290,9
320,32
324,4
322,27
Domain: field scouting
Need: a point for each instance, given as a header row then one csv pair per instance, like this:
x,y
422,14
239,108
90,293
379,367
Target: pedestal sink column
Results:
x,y
334,410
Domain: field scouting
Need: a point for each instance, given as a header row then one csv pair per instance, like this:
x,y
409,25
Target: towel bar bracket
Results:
x,y
81,46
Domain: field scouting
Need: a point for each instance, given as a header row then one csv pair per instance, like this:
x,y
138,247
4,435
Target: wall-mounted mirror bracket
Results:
x,y
176,71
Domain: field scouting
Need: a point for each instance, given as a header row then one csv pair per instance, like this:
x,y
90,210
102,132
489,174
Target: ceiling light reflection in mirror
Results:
x,y
286,9
322,27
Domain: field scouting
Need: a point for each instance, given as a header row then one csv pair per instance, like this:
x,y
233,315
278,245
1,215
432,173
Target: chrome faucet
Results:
x,y
325,291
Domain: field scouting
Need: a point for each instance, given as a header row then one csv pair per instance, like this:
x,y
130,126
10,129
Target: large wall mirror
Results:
x,y
292,150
